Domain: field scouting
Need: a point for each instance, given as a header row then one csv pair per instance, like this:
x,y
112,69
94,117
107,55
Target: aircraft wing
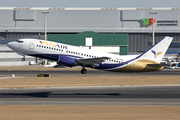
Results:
x,y
91,61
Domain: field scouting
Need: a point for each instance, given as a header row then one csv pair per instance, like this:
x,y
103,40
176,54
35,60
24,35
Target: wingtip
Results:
x,y
169,37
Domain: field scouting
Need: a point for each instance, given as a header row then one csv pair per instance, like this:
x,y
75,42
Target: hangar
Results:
x,y
116,30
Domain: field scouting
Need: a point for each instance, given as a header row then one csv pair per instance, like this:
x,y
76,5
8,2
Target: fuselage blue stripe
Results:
x,y
100,66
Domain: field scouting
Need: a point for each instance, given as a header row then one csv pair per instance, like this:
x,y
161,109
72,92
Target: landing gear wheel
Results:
x,y
83,71
23,59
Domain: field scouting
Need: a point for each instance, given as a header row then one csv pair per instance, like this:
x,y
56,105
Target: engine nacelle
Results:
x,y
66,61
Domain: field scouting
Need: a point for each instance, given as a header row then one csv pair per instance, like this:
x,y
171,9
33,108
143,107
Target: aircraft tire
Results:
x,y
23,59
83,71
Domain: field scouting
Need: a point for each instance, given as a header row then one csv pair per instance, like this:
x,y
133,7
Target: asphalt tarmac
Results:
x,y
100,95
117,95
69,72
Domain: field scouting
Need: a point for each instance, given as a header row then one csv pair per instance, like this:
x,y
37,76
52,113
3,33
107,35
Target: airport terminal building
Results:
x,y
116,30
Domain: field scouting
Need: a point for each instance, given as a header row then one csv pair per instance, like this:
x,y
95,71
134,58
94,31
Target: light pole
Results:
x,y
45,29
153,13
45,23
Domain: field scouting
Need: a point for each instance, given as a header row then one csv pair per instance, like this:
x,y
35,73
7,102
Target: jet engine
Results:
x,y
66,61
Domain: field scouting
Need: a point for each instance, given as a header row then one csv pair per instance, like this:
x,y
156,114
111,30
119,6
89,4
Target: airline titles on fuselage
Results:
x,y
53,45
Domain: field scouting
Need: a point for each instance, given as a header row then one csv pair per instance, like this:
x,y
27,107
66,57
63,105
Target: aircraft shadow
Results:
x,y
87,95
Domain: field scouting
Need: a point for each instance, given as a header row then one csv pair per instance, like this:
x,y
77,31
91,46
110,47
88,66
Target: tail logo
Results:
x,y
156,54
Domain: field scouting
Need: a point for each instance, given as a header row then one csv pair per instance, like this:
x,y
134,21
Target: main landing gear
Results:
x,y
83,71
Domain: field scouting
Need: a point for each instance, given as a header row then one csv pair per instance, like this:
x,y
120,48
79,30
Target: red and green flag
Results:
x,y
148,21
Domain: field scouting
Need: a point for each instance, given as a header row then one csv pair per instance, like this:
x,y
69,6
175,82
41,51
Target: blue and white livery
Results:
x,y
71,56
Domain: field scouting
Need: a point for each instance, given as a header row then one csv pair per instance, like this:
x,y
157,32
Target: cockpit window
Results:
x,y
19,41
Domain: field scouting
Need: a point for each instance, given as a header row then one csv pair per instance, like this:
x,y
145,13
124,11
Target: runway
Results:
x,y
64,72
100,95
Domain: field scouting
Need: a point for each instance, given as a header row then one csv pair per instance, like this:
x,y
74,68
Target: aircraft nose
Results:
x,y
9,44
12,45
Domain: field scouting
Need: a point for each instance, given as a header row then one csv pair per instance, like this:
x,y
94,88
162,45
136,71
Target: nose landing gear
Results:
x,y
23,59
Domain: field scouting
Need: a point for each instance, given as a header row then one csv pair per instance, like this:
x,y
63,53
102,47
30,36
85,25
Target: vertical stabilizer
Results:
x,y
157,52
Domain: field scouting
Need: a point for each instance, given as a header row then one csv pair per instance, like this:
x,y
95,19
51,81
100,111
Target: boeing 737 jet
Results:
x,y
71,56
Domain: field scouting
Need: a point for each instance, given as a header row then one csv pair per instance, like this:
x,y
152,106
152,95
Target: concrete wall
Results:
x,y
11,58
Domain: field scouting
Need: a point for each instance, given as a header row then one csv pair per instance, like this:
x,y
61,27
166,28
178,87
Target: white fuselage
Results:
x,y
54,51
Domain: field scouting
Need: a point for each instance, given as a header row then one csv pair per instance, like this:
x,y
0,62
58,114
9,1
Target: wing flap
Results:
x,y
91,61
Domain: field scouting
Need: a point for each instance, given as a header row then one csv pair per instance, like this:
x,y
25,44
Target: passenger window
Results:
x,y
39,45
49,47
84,54
44,46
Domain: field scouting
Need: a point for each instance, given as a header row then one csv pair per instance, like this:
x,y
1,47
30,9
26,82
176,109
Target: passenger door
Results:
x,y
31,45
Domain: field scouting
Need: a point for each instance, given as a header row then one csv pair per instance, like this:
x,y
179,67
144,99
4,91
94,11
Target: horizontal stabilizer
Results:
x,y
157,65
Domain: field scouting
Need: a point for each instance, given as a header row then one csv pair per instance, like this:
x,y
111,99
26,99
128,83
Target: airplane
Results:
x,y
71,56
